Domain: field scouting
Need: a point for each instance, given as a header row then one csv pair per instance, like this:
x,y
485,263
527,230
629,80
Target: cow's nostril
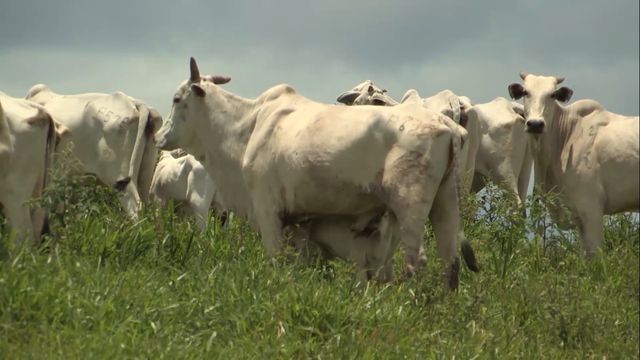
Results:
x,y
535,126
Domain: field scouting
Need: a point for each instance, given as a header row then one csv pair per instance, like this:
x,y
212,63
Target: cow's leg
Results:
x,y
379,248
201,214
130,200
524,177
18,217
147,167
199,206
411,216
590,227
445,220
38,214
270,226
479,182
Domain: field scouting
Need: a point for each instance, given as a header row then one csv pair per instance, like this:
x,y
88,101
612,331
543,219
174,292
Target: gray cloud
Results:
x,y
321,48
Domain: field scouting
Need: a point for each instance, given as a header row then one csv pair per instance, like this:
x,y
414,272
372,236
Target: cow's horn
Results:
x,y
559,79
195,73
523,74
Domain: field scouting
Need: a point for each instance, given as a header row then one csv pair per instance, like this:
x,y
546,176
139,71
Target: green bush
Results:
x,y
110,287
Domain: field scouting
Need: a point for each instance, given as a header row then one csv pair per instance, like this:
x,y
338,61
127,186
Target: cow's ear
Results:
x,y
220,79
348,97
517,91
563,94
198,90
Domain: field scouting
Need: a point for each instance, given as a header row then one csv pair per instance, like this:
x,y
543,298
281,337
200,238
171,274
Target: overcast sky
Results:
x,y
323,47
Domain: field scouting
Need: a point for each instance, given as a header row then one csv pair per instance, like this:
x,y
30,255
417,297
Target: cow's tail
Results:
x,y
458,136
48,167
139,144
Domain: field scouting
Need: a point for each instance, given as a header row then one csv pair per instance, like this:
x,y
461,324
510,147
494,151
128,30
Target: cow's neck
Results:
x,y
230,126
548,157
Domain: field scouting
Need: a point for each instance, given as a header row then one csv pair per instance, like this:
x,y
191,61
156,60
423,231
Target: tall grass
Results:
x,y
104,286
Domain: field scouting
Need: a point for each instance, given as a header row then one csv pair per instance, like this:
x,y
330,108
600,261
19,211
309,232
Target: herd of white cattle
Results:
x,y
350,181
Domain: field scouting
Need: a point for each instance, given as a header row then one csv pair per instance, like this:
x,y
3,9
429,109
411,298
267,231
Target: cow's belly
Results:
x,y
620,184
619,167
331,201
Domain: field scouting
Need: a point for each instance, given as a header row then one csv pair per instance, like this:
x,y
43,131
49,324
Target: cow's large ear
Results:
x,y
381,100
563,94
220,79
198,90
348,97
516,91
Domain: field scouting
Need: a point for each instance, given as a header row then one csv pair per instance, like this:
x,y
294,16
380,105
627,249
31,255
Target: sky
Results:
x,y
321,48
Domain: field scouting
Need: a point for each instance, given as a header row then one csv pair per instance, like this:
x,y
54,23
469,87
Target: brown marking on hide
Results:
x,y
283,194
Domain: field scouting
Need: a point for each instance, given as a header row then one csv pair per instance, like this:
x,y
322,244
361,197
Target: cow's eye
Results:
x,y
176,99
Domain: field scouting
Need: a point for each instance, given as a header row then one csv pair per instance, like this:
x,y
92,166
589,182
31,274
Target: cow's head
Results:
x,y
366,93
450,105
179,129
539,93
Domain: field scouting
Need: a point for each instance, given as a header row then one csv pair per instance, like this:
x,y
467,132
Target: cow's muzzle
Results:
x,y
534,126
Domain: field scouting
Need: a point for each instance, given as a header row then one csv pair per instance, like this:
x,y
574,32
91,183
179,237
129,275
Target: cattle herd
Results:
x,y
352,181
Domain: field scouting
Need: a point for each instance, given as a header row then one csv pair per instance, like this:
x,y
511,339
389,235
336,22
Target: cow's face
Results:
x,y
176,130
539,93
189,111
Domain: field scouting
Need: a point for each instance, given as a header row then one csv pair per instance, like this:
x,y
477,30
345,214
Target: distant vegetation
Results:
x,y
104,286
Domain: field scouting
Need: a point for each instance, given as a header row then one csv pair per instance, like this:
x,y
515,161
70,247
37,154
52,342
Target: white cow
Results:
x,y
111,136
590,156
282,155
495,147
503,155
455,107
366,93
27,141
446,103
183,179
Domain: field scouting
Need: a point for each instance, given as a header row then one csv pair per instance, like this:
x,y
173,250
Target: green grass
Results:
x,y
108,287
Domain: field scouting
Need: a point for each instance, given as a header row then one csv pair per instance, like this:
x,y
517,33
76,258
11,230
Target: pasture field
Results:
x,y
112,288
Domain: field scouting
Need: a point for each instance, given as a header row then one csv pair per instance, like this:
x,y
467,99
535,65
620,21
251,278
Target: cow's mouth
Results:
x,y
534,130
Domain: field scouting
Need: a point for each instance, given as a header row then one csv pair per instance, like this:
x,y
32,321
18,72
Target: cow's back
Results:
x,y
332,159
